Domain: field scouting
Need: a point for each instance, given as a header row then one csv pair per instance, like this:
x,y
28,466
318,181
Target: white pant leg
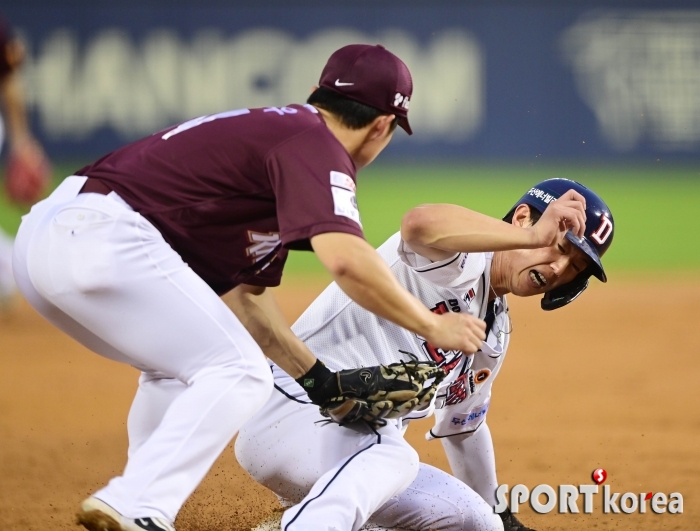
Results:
x,y
153,397
437,501
90,264
337,476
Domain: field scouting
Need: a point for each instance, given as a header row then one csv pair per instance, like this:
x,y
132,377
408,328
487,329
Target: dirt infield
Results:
x,y
610,381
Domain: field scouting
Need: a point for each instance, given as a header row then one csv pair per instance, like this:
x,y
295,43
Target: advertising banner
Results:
x,y
494,81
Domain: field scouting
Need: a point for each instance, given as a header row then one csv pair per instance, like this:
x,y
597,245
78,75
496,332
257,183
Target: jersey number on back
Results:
x,y
194,122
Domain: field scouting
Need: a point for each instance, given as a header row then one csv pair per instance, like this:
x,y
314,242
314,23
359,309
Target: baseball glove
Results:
x,y
511,523
383,392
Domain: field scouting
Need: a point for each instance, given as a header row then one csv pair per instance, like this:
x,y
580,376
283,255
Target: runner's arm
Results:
x,y
438,231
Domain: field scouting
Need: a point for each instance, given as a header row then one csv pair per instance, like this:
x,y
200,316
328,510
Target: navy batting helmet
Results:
x,y
598,235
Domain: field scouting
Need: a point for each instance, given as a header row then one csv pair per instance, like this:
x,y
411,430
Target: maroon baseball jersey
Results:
x,y
232,192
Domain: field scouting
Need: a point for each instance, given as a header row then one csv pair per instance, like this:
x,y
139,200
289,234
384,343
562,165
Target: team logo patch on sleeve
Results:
x,y
344,200
342,180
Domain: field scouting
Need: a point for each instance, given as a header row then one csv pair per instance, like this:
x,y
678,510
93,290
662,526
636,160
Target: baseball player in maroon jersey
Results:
x,y
27,171
130,255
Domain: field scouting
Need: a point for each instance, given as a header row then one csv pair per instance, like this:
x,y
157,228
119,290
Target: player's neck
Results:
x,y
498,284
351,139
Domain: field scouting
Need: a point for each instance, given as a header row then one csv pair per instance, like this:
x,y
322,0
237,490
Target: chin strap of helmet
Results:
x,y
565,294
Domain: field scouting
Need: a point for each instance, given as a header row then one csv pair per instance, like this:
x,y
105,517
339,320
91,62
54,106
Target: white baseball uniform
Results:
x,y
130,261
341,477
192,349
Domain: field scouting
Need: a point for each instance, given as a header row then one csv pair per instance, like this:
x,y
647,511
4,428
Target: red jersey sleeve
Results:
x,y
313,179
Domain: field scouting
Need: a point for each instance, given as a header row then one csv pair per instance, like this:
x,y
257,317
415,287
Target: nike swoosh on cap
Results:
x,y
339,84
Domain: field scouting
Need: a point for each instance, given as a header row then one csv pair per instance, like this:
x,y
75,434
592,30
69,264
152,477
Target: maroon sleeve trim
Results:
x,y
299,239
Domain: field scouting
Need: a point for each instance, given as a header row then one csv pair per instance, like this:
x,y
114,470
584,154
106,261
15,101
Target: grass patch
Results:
x,y
654,207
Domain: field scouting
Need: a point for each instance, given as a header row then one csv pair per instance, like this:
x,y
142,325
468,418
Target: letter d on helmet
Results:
x,y
600,229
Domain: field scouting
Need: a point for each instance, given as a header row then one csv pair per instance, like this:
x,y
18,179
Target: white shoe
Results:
x,y
96,515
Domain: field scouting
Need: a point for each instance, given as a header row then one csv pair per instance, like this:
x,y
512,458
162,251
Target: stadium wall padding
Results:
x,y
494,81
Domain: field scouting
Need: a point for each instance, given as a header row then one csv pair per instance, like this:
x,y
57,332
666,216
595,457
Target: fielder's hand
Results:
x,y
567,212
511,523
376,393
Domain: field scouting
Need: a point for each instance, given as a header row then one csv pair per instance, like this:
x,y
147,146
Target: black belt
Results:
x,y
95,186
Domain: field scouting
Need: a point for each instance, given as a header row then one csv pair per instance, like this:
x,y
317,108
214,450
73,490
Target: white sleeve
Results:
x,y
459,269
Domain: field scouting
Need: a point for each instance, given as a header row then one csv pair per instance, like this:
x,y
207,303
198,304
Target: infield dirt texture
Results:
x,y
610,381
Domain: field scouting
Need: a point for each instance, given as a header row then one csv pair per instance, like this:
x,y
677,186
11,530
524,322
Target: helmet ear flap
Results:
x,y
565,294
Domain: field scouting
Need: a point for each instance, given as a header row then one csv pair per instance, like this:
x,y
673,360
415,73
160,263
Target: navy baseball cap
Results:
x,y
372,75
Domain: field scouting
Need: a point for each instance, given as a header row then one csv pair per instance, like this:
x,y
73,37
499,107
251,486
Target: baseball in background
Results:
x,y
506,94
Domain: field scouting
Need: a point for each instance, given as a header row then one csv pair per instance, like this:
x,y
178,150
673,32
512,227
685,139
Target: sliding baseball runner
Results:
x,y
455,261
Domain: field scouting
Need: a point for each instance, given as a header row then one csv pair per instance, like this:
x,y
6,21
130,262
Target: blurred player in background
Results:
x,y
453,260
27,172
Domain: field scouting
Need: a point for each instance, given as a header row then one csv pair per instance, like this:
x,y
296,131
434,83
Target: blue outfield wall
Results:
x,y
494,81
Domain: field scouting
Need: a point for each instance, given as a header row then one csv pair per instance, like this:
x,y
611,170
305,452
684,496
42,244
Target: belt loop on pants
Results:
x,y
95,186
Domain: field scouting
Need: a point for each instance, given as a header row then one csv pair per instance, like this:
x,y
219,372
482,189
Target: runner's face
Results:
x,y
536,271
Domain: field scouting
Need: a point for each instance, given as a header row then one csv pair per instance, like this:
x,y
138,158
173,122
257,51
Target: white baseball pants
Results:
x,y
103,274
341,478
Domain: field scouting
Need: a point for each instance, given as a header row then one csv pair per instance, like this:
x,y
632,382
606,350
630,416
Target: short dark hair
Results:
x,y
352,114
535,215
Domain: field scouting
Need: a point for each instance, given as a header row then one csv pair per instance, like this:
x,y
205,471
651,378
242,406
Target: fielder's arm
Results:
x,y
259,312
365,278
343,396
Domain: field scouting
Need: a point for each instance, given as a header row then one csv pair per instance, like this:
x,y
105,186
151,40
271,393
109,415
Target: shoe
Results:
x,y
511,523
96,515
